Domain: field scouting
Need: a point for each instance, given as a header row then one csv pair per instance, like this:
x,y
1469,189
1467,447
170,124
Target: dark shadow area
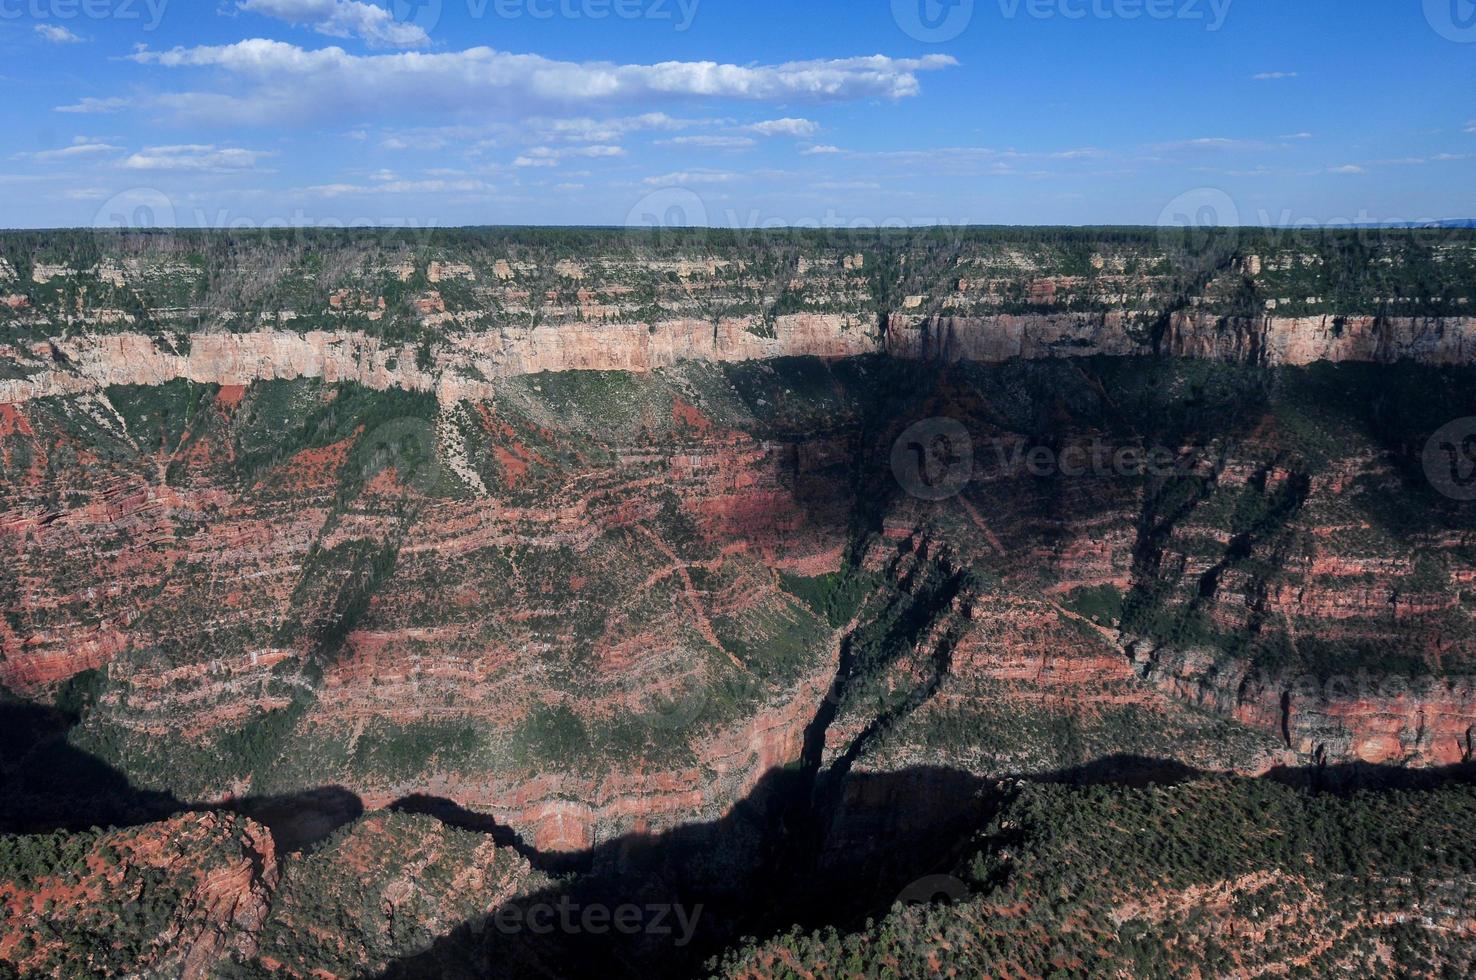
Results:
x,y
1351,777
760,871
453,814
691,892
298,820
48,784
1123,770
805,848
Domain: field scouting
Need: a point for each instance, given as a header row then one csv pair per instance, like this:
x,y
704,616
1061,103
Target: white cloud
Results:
x,y
81,147
57,34
846,185
683,177
1347,168
194,157
91,106
711,142
403,187
798,128
1296,136
1207,143
543,156
813,151
275,81
343,18
585,130
1272,76
536,131
1471,126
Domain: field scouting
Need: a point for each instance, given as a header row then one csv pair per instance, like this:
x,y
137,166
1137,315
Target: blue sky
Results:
x,y
747,113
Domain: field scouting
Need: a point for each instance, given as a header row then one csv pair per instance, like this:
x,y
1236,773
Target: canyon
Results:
x,y
506,558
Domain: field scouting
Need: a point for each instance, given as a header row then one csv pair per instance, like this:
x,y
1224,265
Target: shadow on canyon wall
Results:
x,y
768,866
48,784
804,848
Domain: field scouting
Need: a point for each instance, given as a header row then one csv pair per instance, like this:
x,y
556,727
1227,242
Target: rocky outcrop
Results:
x,y
997,338
384,887
1384,719
1298,341
1269,341
187,894
464,367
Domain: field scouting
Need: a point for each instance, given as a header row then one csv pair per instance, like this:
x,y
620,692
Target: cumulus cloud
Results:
x,y
57,34
815,151
91,106
711,142
276,80
798,128
195,156
586,130
1272,76
342,18
435,186
80,147
684,177
1207,143
543,156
